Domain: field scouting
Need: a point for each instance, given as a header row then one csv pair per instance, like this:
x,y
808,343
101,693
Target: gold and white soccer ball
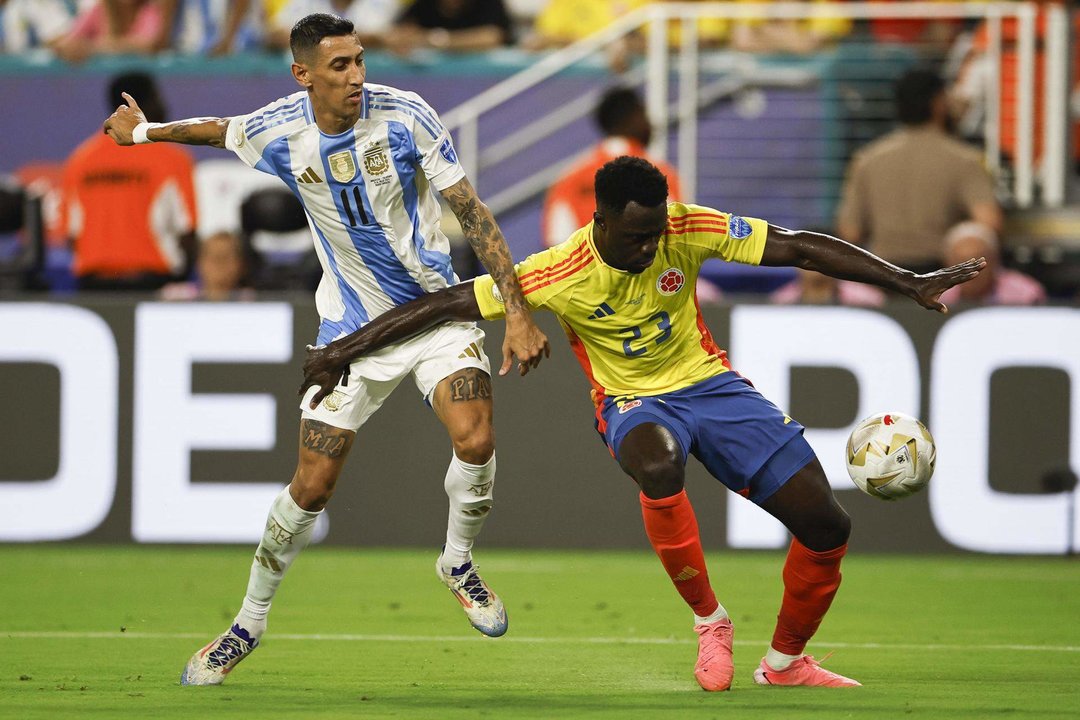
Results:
x,y
890,456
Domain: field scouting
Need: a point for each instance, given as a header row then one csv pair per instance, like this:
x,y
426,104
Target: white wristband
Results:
x,y
138,133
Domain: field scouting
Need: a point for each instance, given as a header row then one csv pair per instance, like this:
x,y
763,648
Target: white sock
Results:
x,y
778,660
719,614
470,490
288,531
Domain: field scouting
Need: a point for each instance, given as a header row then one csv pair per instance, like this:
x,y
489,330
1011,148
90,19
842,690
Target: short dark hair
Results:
x,y
629,179
915,93
140,86
309,31
614,106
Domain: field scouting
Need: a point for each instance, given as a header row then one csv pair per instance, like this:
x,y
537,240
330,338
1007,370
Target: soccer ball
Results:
x,y
890,456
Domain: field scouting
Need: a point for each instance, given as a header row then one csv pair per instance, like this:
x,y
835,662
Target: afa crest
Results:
x,y
375,161
334,401
342,166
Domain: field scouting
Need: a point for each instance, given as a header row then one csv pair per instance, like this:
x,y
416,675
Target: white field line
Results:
x,y
319,637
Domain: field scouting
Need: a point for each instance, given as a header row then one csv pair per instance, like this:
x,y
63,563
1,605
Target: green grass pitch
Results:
x,y
103,632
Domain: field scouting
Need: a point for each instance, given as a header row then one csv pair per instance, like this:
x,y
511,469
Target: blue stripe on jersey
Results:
x,y
421,109
356,315
403,107
278,116
275,160
330,330
365,99
309,114
400,137
262,122
277,156
368,237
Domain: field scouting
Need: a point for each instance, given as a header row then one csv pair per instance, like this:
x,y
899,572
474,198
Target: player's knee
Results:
x,y
312,490
841,528
829,532
476,446
660,477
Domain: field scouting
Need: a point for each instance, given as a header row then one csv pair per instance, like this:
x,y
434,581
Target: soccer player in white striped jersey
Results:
x,y
363,160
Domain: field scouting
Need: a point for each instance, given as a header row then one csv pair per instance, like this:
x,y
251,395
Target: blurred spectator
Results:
x,y
374,19
211,27
570,202
996,285
129,210
114,27
452,25
813,288
969,93
563,22
800,37
931,36
904,191
30,24
220,270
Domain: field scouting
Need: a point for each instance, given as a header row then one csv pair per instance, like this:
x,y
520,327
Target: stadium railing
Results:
x,y
841,92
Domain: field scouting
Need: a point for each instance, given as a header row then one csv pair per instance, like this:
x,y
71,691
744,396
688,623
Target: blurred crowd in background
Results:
x,y
135,229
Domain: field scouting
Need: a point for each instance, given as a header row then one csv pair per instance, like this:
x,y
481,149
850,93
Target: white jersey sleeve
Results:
x,y
249,135
437,155
434,147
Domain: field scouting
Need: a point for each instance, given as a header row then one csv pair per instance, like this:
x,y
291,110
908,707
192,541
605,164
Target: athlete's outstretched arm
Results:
x,y
523,338
325,365
196,131
834,257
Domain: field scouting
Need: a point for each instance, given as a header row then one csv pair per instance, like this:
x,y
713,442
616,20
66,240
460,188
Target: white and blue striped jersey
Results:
x,y
368,195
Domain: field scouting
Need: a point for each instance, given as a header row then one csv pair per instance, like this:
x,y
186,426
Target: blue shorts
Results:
x,y
742,439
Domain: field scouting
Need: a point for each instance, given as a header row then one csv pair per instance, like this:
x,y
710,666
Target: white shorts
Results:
x,y
430,357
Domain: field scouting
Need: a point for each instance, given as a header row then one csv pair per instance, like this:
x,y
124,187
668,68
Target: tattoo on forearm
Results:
x,y
470,384
325,439
479,228
184,131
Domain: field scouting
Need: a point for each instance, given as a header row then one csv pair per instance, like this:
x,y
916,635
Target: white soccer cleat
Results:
x,y
210,665
483,607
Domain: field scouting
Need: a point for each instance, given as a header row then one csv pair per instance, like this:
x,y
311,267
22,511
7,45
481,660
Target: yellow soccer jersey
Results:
x,y
636,334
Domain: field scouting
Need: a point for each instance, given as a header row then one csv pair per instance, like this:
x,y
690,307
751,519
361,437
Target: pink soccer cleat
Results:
x,y
804,671
714,669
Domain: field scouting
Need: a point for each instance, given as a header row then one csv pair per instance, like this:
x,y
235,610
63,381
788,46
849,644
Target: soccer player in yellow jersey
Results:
x,y
623,289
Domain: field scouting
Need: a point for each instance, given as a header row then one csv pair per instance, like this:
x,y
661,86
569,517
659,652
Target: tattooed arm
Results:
x,y
523,338
195,131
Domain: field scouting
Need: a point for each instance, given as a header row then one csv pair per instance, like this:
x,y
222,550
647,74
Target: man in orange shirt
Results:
x,y
570,202
129,212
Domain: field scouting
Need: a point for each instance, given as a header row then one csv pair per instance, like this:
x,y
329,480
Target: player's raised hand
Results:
x,y
322,369
525,341
119,125
926,289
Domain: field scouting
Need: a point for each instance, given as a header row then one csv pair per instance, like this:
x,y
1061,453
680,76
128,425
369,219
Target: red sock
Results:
x,y
673,531
810,582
